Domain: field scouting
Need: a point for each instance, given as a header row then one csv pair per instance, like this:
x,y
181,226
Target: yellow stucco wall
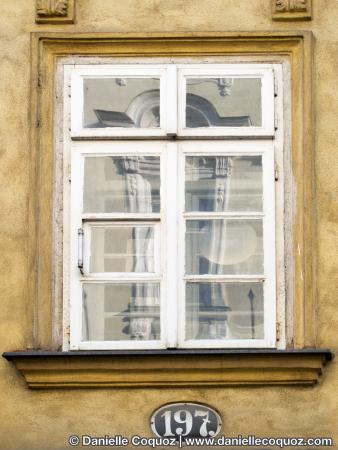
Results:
x,y
44,419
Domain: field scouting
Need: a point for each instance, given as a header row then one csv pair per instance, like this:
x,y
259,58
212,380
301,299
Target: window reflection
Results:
x,y
223,183
223,102
224,247
122,184
135,102
121,102
224,311
122,249
115,312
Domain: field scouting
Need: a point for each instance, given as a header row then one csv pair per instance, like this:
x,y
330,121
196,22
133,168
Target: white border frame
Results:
x,y
234,148
246,70
169,195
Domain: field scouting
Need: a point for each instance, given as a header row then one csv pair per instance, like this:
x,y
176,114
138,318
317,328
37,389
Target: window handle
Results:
x,y
80,249
172,135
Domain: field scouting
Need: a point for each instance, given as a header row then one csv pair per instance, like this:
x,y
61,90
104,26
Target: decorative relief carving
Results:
x,y
52,8
55,11
298,5
291,9
282,5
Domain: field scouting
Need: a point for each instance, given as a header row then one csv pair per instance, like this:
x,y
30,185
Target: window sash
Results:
x,y
262,71
172,232
108,275
173,98
80,73
81,150
232,148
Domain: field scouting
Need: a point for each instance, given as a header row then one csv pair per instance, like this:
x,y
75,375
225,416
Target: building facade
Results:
x,y
169,227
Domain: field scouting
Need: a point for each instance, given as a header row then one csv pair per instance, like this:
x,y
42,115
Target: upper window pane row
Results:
x,y
159,100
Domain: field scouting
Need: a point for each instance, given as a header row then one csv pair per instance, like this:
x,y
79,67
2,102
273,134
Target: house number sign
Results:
x,y
186,420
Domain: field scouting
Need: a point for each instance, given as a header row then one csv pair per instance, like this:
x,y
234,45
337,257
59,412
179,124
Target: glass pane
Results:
x,y
122,184
118,312
122,249
224,247
121,102
223,183
224,311
223,102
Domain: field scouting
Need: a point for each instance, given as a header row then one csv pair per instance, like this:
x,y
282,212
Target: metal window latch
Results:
x,y
278,331
39,80
275,84
276,118
80,249
172,134
276,172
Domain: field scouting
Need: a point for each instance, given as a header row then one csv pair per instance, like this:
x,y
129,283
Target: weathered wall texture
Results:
x,y
43,419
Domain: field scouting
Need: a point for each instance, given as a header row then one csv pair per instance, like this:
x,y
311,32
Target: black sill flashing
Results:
x,y
325,353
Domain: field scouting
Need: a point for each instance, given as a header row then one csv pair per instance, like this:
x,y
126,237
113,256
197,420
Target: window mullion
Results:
x,y
171,238
269,248
171,100
75,286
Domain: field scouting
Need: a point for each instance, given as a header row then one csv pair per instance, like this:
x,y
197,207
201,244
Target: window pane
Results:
x,y
223,183
223,102
121,102
224,311
116,312
224,247
122,249
122,184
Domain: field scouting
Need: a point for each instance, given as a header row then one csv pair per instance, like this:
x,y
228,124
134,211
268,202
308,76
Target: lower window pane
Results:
x,y
121,311
224,311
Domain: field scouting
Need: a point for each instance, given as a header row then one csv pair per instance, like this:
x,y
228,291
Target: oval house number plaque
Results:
x,y
186,420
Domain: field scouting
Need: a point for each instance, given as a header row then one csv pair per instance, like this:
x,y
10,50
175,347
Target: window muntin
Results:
x,y
185,320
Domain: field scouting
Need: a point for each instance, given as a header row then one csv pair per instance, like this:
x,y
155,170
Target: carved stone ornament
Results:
x,y
55,11
291,9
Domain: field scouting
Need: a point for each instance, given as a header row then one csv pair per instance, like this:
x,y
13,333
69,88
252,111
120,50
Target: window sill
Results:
x,y
170,368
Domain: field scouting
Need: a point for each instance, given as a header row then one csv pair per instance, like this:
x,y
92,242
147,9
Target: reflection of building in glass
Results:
x,y
224,102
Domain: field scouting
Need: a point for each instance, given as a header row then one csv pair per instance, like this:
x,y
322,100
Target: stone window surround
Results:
x,y
277,367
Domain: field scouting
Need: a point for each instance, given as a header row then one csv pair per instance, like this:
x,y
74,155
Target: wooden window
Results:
x,y
172,241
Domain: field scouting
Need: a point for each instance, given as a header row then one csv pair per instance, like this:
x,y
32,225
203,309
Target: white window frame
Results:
x,y
172,248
